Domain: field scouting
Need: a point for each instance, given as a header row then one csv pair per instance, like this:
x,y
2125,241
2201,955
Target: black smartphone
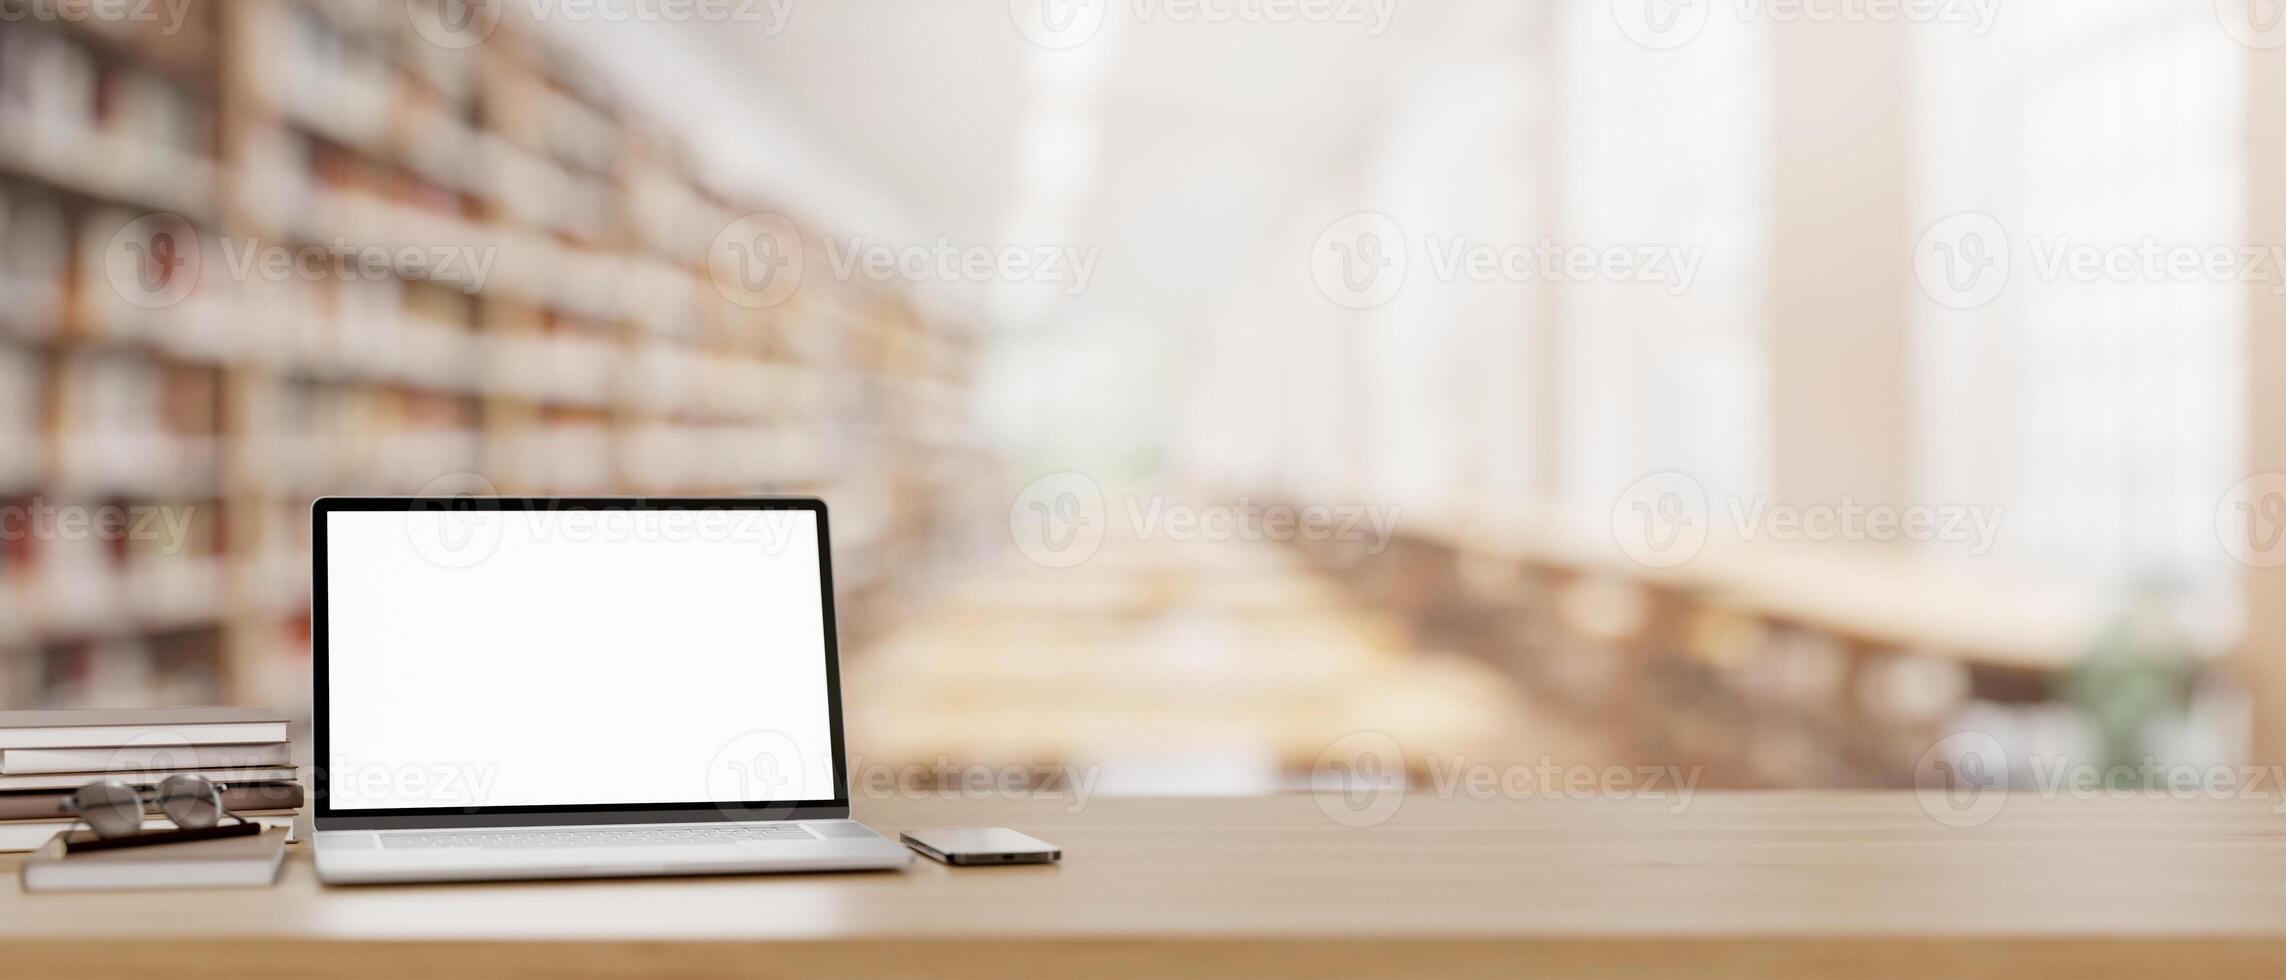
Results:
x,y
968,846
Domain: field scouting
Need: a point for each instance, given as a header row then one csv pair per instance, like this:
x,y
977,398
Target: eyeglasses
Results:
x,y
114,810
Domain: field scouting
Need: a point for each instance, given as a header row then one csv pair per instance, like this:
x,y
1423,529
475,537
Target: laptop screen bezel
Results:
x,y
330,818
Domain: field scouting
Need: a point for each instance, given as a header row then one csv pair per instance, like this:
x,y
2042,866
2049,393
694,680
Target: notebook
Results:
x,y
48,804
30,835
230,862
150,777
73,729
17,762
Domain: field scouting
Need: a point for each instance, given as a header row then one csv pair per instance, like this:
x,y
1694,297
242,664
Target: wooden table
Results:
x,y
1772,884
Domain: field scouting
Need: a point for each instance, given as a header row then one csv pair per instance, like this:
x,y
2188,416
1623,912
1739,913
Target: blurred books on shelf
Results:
x,y
578,343
46,755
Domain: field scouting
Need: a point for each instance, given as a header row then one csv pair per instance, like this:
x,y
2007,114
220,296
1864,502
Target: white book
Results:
x,y
225,862
143,777
17,762
18,836
175,726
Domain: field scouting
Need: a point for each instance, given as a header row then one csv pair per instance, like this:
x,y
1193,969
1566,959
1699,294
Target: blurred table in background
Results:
x,y
1781,664
1177,667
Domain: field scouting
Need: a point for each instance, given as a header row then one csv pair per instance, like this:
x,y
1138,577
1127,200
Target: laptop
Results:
x,y
577,687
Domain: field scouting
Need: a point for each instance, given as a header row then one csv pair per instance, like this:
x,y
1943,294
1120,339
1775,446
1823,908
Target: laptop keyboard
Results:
x,y
596,836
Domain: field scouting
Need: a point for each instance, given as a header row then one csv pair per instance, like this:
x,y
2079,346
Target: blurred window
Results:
x,y
2104,411
1446,364
1665,151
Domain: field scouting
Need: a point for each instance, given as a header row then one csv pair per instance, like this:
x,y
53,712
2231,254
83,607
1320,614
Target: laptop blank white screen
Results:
x,y
575,657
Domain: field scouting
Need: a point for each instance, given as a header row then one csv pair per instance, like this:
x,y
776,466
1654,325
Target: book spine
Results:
x,y
247,796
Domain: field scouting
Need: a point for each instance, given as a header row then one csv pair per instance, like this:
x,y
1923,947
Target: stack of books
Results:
x,y
47,755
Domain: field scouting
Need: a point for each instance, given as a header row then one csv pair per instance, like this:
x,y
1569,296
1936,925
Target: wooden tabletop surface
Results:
x,y
1748,884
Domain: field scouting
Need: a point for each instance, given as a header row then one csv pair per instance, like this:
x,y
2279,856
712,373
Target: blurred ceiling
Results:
x,y
1180,148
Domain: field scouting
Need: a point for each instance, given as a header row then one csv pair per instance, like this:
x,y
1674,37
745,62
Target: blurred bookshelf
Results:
x,y
597,356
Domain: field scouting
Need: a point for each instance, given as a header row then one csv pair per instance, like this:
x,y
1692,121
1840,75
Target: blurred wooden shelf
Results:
x,y
597,356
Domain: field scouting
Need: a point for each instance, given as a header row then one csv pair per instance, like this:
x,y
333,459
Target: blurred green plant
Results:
x,y
2139,673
